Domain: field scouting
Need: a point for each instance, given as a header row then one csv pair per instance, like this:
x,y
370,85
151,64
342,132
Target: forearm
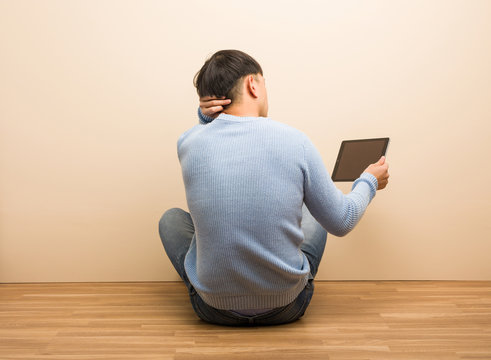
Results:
x,y
338,213
362,193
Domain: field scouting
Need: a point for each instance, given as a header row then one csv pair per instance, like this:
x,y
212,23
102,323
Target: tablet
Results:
x,y
355,155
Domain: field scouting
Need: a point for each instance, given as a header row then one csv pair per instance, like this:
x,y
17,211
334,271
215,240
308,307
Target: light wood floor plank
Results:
x,y
346,320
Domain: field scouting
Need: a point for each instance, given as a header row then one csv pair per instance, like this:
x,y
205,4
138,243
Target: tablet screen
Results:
x,y
355,155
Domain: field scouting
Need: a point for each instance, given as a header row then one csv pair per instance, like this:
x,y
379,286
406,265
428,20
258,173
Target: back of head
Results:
x,y
221,73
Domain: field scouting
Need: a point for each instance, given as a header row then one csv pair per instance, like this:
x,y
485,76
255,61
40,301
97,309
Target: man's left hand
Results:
x,y
212,106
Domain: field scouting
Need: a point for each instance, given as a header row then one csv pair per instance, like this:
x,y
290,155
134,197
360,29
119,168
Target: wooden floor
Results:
x,y
154,320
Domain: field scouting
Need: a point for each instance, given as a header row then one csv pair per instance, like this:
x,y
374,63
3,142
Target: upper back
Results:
x,y
245,160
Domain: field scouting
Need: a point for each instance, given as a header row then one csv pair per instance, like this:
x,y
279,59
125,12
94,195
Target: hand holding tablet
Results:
x,y
357,156
380,170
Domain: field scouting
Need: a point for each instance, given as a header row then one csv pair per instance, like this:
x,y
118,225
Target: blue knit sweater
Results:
x,y
246,179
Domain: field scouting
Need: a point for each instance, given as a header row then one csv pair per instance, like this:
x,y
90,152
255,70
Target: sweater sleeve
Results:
x,y
338,213
204,119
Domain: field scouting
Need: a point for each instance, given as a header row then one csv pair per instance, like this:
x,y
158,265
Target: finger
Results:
x,y
220,102
211,103
212,110
381,160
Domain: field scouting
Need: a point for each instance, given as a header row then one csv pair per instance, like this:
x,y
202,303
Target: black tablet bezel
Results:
x,y
343,143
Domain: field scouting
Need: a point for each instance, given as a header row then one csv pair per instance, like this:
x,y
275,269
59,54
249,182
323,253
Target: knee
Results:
x,y
169,217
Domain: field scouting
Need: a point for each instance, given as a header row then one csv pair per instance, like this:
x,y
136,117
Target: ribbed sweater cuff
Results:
x,y
371,180
204,119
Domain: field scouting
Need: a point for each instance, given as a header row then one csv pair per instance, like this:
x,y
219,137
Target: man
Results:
x,y
260,203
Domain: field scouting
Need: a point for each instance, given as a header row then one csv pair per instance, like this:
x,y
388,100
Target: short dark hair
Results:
x,y
220,74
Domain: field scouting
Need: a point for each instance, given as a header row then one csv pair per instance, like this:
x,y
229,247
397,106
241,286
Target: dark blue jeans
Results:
x,y
176,230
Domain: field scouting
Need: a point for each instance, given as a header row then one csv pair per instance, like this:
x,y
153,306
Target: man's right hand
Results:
x,y
380,170
212,106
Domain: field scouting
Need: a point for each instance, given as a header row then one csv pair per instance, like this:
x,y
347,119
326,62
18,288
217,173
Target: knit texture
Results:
x,y
246,179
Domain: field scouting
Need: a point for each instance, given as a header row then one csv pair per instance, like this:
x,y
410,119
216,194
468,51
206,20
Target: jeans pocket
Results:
x,y
290,312
212,315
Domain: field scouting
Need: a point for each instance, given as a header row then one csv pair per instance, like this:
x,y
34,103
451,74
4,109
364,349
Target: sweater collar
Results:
x,y
229,117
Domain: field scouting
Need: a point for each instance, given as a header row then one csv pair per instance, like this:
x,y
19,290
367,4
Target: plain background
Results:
x,y
94,94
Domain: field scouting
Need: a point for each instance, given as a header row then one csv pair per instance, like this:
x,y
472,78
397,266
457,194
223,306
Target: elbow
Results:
x,y
347,222
340,232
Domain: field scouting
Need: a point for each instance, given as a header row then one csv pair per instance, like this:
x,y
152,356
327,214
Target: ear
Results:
x,y
252,86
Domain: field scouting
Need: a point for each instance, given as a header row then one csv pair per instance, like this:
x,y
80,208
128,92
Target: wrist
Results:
x,y
370,179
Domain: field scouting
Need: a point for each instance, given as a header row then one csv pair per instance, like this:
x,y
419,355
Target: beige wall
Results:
x,y
94,94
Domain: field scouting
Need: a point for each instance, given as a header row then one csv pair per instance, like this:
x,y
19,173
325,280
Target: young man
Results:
x,y
260,203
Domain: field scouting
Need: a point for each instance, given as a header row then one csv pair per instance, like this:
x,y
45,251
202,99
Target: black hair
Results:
x,y
222,71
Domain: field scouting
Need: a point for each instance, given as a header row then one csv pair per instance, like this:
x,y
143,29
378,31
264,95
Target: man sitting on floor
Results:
x,y
260,203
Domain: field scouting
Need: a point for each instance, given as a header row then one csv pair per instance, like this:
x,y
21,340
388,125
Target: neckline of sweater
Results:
x,y
229,117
